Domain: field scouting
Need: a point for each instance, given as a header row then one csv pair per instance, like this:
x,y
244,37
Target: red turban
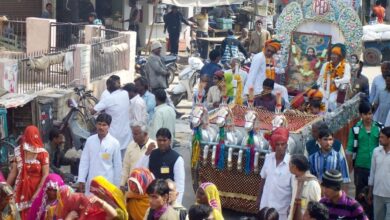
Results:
x,y
273,43
279,134
32,137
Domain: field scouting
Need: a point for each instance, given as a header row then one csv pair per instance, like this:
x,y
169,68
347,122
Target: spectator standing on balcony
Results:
x,y
48,12
173,22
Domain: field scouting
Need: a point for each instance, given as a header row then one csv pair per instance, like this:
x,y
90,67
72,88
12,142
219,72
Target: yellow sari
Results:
x,y
212,194
115,195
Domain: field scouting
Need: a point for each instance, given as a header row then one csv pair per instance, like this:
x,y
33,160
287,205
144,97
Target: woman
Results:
x,y
207,194
44,206
29,169
109,193
158,192
8,209
137,199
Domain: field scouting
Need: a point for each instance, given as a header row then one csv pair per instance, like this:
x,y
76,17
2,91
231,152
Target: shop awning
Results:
x,y
201,3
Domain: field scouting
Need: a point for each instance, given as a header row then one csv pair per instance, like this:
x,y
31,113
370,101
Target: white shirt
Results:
x,y
164,117
380,174
133,154
378,84
104,94
311,192
256,74
138,110
277,190
179,174
100,158
117,105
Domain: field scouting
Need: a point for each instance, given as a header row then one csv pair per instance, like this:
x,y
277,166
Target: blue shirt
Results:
x,y
209,69
320,162
150,101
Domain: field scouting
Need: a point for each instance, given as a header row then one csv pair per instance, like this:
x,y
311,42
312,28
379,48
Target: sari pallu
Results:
x,y
40,208
212,194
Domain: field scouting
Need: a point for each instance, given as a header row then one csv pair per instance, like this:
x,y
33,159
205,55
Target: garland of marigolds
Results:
x,y
337,72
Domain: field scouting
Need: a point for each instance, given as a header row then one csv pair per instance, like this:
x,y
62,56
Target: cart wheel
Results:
x,y
372,56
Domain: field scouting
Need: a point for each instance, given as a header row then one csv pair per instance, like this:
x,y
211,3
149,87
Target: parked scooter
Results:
x,y
188,78
169,61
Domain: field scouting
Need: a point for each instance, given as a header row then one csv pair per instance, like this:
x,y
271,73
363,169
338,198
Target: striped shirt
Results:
x,y
320,162
346,208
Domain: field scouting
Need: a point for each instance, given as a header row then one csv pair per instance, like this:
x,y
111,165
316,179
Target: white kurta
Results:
x,y
179,174
117,105
138,110
277,190
100,158
164,117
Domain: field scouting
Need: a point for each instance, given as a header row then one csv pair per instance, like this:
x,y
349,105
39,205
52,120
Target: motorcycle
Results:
x,y
188,78
169,61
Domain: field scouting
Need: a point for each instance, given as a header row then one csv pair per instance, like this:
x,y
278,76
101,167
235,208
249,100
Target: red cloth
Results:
x,y
379,11
32,137
279,134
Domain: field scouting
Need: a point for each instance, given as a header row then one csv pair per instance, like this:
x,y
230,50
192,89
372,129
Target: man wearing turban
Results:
x,y
338,72
275,185
263,67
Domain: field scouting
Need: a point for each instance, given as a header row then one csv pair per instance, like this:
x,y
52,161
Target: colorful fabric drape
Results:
x,y
220,153
40,205
196,146
250,152
114,196
214,200
238,100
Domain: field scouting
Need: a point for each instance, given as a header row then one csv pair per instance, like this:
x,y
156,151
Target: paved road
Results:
x,y
183,135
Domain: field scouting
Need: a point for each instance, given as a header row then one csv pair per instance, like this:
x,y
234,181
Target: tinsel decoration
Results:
x,y
249,152
238,100
196,146
220,158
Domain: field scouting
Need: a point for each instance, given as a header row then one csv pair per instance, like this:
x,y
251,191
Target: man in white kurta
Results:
x,y
117,105
138,111
101,156
164,115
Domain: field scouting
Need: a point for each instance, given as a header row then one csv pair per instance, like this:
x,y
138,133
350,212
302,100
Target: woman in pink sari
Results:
x,y
44,206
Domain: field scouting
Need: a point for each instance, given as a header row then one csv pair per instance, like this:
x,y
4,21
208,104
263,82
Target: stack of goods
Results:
x,y
376,32
224,23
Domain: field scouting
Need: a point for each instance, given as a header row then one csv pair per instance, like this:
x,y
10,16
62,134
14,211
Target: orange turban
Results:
x,y
339,49
279,134
32,137
273,43
315,93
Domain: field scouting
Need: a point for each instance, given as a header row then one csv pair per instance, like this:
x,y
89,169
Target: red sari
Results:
x,y
29,177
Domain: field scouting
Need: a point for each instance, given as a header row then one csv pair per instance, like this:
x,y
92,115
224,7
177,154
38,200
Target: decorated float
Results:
x,y
228,144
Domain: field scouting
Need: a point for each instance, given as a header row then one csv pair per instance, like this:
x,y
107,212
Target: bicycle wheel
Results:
x,y
7,153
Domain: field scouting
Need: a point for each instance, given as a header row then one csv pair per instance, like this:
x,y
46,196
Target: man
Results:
x,y
379,83
340,206
379,12
173,22
202,21
48,13
379,188
381,102
101,156
338,72
156,72
359,82
266,99
210,68
305,187
214,95
134,19
164,162
112,80
327,158
164,115
138,107
93,19
179,208
117,106
275,186
141,84
262,68
312,146
363,139
258,38
316,211
137,148
231,47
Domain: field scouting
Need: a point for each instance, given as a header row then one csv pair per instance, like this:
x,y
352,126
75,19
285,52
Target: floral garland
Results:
x,y
270,68
238,100
337,72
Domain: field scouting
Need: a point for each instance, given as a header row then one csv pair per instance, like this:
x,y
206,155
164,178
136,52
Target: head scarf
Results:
x,y
274,43
315,93
142,177
38,207
339,49
32,138
102,185
279,134
212,194
229,84
6,191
